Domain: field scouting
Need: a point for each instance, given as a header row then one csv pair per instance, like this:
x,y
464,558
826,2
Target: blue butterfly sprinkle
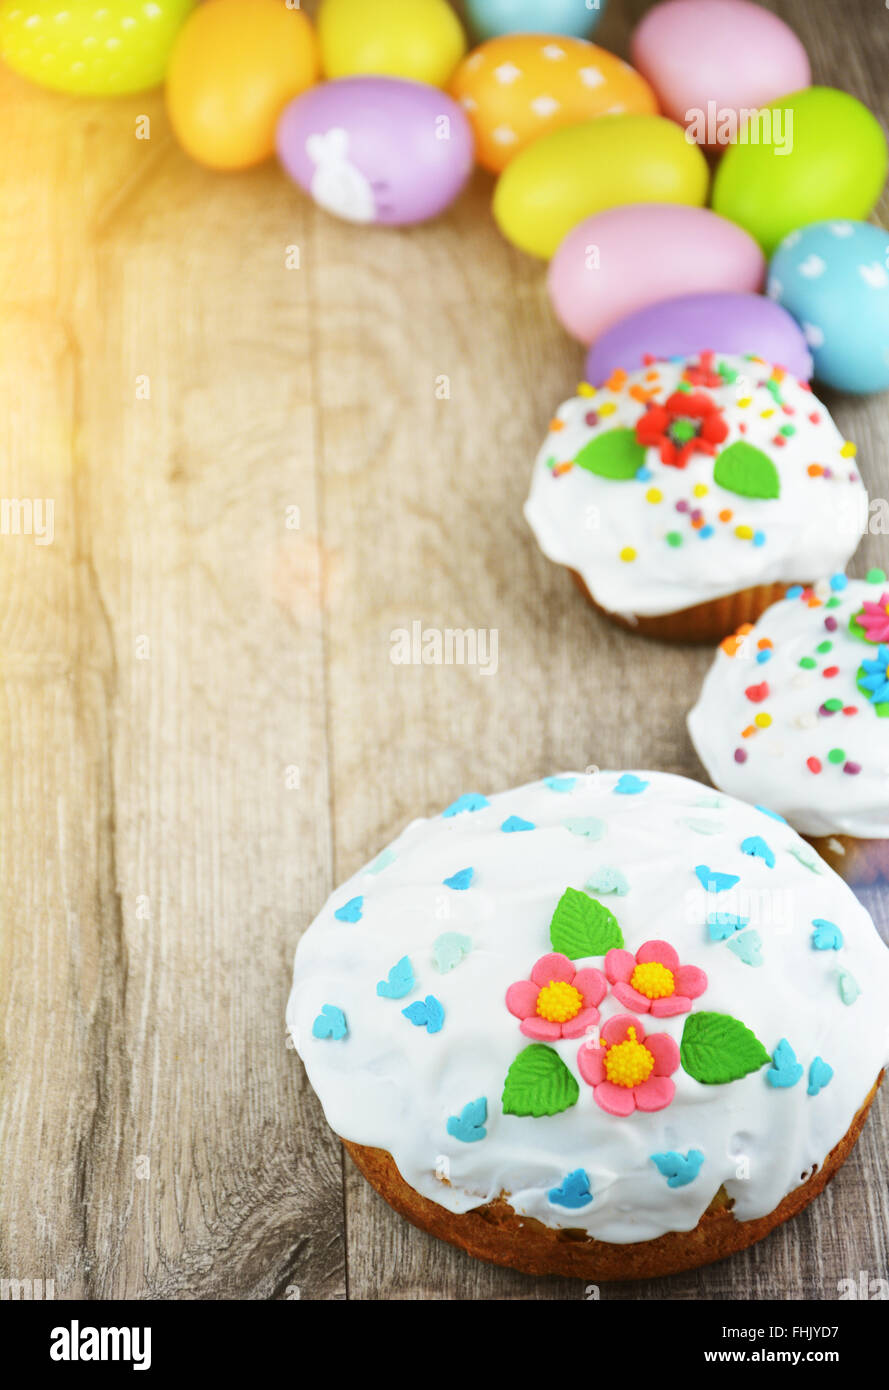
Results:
x,y
678,1169
448,950
459,881
747,947
628,784
426,1013
827,935
785,1069
721,925
713,881
757,848
469,1125
559,784
400,980
350,911
574,1192
330,1023
820,1072
590,826
469,801
515,823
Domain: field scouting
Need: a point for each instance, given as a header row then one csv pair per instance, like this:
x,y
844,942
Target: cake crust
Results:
x,y
705,624
494,1232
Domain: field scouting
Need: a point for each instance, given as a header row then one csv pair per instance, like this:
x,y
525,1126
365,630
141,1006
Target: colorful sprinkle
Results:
x,y
330,1023
459,881
399,982
785,1070
679,1169
350,911
469,1125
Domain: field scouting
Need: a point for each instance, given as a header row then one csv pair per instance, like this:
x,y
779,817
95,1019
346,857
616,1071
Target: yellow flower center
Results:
x,y
628,1063
558,1002
653,980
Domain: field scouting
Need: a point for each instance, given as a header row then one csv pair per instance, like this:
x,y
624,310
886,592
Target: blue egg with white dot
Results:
x,y
489,18
833,277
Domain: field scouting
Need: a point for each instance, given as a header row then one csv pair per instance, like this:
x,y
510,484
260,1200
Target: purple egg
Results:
x,y
377,149
724,322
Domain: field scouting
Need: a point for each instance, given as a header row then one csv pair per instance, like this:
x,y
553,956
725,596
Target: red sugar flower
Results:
x,y
628,1070
653,981
874,618
688,422
558,1001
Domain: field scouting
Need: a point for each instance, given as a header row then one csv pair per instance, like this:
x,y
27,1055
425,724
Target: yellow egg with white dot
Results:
x,y
91,47
417,39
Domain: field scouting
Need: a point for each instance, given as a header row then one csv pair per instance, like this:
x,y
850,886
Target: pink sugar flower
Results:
x,y
653,981
629,1069
558,1001
874,618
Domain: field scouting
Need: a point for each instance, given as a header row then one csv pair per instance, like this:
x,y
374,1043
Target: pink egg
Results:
x,y
618,261
703,57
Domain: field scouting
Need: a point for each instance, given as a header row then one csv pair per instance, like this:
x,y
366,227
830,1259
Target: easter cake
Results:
x,y
794,713
604,1025
685,496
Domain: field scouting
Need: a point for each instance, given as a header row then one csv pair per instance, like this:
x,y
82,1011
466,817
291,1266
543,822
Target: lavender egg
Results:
x,y
377,149
728,322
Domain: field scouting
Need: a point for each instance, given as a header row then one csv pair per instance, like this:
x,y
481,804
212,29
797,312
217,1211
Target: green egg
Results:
x,y
811,156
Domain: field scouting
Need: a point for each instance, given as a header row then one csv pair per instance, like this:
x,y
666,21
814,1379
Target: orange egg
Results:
x,y
235,66
521,86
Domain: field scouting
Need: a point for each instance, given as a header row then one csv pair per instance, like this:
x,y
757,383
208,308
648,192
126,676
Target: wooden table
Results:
x,y
256,477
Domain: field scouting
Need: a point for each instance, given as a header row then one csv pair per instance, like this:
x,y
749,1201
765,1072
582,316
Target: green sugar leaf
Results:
x,y
538,1083
616,454
716,1048
582,926
749,472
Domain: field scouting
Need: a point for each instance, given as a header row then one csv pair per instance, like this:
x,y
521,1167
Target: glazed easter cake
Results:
x,y
687,495
609,1026
794,713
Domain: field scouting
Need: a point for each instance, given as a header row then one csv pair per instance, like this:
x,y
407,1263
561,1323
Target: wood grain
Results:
x,y
200,727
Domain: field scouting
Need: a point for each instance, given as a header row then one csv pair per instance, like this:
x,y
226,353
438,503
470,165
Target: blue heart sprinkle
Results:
x,y
757,848
330,1023
604,879
807,860
678,1169
827,935
628,784
643,474
385,859
848,986
399,982
820,1072
459,881
515,823
469,801
713,881
590,826
426,1013
785,1069
350,911
747,947
469,1125
764,656
773,815
721,925
448,950
559,784
574,1192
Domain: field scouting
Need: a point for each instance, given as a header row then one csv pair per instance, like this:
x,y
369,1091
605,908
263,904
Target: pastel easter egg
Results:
x,y
377,149
517,88
629,257
233,69
724,322
812,156
418,39
90,48
492,17
834,278
583,169
710,60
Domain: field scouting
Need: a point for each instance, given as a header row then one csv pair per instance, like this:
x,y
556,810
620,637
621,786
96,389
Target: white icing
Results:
x,y
392,1085
585,521
775,772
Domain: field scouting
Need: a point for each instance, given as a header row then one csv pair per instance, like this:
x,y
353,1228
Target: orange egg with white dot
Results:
x,y
521,86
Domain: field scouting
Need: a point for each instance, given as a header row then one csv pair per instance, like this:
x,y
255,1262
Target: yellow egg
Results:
x,y
583,169
521,86
418,39
235,66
